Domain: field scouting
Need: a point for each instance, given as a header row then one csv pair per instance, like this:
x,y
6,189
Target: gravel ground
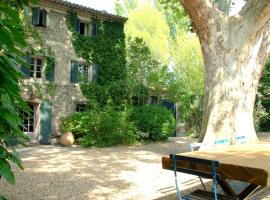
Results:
x,y
116,173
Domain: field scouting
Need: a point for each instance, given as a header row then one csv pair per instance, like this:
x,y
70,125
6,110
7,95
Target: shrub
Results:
x,y
158,121
78,123
105,127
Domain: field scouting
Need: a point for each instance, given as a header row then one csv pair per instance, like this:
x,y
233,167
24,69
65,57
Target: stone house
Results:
x,y
54,95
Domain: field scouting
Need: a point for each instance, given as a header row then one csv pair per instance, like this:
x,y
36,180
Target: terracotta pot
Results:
x,y
67,139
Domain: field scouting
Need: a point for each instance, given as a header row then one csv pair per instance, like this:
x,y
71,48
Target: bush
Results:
x,y
157,121
106,127
79,124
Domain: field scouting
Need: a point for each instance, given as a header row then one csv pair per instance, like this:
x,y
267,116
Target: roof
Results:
x,y
92,11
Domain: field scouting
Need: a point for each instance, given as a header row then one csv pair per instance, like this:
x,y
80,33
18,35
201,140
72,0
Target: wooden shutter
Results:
x,y
50,75
94,27
77,24
95,72
44,17
45,122
26,69
35,16
74,71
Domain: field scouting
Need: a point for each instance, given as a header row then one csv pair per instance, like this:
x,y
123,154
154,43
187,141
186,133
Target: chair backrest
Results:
x,y
193,161
212,164
240,139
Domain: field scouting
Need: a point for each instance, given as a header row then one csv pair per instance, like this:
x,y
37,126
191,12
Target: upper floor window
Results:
x,y
39,16
83,72
85,28
35,67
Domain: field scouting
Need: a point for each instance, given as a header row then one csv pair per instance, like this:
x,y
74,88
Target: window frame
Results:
x,y
86,29
28,116
39,17
35,65
81,71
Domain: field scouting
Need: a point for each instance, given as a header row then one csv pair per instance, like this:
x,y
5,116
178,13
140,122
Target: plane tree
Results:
x,y
235,49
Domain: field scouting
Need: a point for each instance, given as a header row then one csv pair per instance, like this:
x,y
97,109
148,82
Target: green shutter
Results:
x,y
77,25
35,16
94,27
50,75
74,71
95,72
25,69
44,16
45,122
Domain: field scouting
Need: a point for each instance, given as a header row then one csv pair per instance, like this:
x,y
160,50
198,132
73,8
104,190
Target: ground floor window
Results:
x,y
28,120
80,107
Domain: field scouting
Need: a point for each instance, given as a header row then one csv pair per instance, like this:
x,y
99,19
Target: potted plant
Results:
x,y
66,138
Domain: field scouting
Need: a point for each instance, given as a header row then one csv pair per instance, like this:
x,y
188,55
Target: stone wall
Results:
x,y
57,36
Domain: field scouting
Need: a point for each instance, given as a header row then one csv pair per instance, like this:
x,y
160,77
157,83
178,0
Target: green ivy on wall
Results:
x,y
107,49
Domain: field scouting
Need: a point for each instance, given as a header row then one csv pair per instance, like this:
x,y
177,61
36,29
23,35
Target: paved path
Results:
x,y
116,173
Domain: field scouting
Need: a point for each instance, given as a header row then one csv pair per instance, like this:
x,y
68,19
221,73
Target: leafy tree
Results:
x,y
175,15
148,23
126,7
188,85
262,105
12,44
232,67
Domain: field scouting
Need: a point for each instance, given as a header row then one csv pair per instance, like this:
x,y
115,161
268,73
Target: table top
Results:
x,y
248,162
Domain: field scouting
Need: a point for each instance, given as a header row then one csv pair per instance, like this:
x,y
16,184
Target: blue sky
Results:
x,y
107,5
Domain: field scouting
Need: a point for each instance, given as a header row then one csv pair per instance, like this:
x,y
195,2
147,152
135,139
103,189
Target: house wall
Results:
x,y
57,36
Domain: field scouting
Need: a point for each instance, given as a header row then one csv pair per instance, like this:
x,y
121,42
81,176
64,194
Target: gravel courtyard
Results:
x,y
116,173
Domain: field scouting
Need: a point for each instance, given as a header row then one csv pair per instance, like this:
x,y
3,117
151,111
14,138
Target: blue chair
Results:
x,y
198,194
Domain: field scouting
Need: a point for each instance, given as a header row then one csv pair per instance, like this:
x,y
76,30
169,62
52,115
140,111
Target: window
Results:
x,y
83,72
28,120
84,28
153,100
39,17
80,107
35,68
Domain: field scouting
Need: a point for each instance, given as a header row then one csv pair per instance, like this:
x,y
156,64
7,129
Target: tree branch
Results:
x,y
200,12
256,12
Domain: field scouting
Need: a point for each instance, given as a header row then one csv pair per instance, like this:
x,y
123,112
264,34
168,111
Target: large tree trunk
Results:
x,y
235,50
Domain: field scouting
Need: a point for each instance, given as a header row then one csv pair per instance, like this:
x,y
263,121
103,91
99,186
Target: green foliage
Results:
x,y
126,7
262,104
188,85
175,15
12,44
148,23
105,127
156,122
108,44
107,49
50,62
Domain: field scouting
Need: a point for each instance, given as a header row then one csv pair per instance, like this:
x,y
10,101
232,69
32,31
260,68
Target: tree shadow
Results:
x,y
55,172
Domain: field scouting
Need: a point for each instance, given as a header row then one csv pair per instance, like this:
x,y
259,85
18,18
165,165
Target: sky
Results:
x,y
107,5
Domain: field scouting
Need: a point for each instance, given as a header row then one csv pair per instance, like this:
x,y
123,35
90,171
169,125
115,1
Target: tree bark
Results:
x,y
235,50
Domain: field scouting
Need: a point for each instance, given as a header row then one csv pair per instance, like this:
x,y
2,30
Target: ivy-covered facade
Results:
x,y
79,45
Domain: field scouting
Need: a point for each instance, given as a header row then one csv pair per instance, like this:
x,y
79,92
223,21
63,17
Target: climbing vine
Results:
x,y
107,49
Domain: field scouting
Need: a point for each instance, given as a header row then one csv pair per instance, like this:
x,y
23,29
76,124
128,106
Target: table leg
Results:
x,y
250,190
226,187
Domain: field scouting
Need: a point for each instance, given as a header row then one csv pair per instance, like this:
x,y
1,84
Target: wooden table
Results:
x,y
248,162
